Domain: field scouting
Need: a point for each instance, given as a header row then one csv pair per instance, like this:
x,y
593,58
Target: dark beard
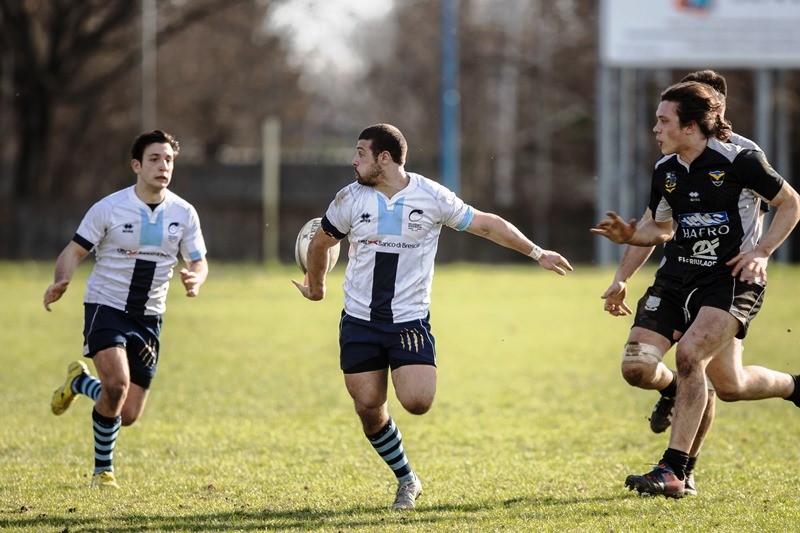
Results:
x,y
370,180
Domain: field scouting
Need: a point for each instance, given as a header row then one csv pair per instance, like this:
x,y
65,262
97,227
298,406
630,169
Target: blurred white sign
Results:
x,y
700,33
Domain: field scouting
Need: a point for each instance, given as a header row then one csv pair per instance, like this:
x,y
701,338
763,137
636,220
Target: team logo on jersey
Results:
x,y
127,228
414,217
706,250
173,229
702,220
717,176
671,182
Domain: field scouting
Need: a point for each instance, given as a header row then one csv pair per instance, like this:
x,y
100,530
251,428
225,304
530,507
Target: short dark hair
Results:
x,y
698,103
709,77
148,138
386,138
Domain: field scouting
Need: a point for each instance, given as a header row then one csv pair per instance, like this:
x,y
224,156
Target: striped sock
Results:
x,y
86,385
388,442
105,437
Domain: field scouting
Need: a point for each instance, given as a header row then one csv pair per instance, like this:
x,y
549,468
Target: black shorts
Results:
x,y
723,291
365,346
105,327
661,308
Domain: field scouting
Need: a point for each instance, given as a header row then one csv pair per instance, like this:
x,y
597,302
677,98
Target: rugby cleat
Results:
x,y
63,396
659,481
407,494
661,417
104,480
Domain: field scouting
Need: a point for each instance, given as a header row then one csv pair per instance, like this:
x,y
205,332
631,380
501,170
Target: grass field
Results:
x,y
249,427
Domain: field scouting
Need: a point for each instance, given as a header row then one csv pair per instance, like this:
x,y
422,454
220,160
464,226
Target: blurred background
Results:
x,y
538,110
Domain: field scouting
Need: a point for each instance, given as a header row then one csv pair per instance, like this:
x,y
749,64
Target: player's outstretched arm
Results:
x,y
632,260
649,233
68,260
504,233
313,285
194,275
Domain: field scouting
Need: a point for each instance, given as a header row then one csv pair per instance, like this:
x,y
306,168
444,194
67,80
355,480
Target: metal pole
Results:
x,y
627,143
606,150
783,147
149,30
450,96
506,123
763,113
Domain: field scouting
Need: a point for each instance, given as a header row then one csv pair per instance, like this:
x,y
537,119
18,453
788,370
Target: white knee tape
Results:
x,y
637,352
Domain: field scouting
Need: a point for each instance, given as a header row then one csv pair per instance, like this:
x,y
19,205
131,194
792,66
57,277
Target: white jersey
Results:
x,y
393,243
136,248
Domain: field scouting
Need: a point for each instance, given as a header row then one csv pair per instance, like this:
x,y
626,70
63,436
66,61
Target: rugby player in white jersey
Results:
x,y
392,219
136,235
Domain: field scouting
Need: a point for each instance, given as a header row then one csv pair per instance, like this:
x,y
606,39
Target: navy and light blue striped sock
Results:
x,y
87,385
388,442
105,438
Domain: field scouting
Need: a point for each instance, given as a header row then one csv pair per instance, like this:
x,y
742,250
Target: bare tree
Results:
x,y
66,56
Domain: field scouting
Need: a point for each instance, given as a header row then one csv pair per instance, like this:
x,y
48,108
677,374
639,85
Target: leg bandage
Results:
x,y
637,352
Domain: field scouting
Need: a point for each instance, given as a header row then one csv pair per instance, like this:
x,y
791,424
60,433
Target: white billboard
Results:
x,y
700,33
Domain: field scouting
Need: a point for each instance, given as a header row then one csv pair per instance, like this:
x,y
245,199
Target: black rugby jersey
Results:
x,y
714,202
670,267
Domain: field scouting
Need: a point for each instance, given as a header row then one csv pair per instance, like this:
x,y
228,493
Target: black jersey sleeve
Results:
x,y
757,174
655,194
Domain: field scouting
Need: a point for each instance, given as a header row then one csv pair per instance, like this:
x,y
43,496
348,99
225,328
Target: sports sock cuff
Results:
x,y
383,431
794,397
676,460
104,420
690,464
672,389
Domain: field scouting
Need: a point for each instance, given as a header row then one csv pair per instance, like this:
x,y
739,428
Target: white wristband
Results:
x,y
536,253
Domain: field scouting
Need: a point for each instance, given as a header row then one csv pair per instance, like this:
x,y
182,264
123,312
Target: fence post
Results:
x,y
271,188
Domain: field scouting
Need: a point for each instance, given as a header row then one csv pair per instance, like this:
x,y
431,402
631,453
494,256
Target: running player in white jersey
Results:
x,y
392,219
136,235
705,188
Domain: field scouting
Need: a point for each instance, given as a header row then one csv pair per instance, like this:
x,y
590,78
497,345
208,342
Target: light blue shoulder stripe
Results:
x,y
466,220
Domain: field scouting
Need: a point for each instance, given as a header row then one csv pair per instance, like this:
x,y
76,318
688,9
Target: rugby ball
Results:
x,y
304,238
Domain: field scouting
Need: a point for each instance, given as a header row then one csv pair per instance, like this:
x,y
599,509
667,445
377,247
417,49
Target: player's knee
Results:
x,y
687,359
129,418
373,417
640,363
728,391
116,390
417,405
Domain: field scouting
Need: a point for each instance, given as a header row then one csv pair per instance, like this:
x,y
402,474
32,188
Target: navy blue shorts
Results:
x,y
105,327
661,308
365,346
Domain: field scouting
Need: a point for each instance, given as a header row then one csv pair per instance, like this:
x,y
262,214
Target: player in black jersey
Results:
x,y
659,319
710,189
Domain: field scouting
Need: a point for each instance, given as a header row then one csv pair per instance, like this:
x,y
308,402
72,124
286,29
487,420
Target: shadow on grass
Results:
x,y
305,518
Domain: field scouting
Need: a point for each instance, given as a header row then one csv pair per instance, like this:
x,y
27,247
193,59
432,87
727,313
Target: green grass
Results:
x,y
249,427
